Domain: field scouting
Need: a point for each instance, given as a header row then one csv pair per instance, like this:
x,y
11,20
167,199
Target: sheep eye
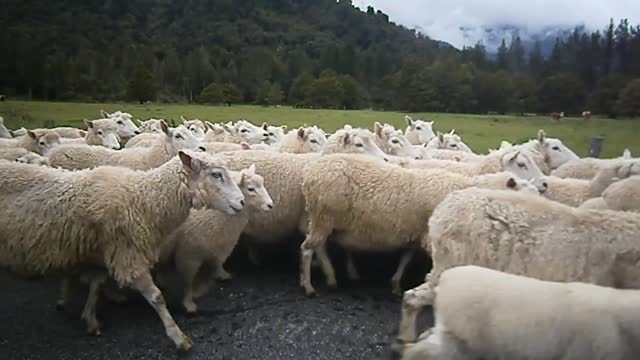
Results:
x,y
395,141
270,134
418,127
522,165
178,136
314,141
251,189
244,130
556,148
42,144
359,145
120,122
216,175
100,132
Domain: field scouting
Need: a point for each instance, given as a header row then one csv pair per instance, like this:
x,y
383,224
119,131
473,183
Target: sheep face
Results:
x,y
34,159
276,133
150,126
126,128
196,127
211,183
627,168
248,132
215,132
554,151
103,133
182,138
524,167
392,142
418,131
312,139
45,140
522,185
252,187
359,141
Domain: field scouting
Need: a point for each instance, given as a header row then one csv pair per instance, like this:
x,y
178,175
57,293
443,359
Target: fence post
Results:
x,y
596,146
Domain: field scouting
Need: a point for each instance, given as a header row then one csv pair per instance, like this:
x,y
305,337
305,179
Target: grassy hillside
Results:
x,y
479,131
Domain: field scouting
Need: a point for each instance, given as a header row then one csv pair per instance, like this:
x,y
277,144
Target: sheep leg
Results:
x,y
89,311
202,287
315,239
352,271
402,266
220,273
254,258
144,284
436,345
65,293
412,302
113,294
327,267
188,269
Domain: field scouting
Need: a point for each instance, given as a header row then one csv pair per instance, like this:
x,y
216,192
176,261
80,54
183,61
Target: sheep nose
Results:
x,y
202,148
386,159
242,202
270,206
137,132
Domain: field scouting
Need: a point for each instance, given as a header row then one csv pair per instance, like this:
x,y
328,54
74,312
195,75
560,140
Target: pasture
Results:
x,y
480,132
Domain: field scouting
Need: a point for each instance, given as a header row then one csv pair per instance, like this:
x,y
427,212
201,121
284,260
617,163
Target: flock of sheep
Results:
x,y
531,244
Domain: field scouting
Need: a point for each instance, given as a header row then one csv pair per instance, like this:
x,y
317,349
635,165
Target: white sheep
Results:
x,y
103,132
12,153
301,141
40,142
392,142
623,195
215,132
126,127
146,139
23,155
528,235
110,217
369,205
355,141
244,131
445,154
418,132
450,141
594,203
34,159
70,132
515,161
574,192
216,147
4,132
626,154
209,236
475,318
150,126
83,157
196,126
554,151
276,133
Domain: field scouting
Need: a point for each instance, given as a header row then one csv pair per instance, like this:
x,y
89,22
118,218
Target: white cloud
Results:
x,y
442,19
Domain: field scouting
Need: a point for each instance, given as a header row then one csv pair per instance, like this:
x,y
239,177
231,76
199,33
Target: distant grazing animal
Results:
x,y
586,115
556,116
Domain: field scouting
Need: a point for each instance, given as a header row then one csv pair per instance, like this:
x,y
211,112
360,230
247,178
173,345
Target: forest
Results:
x,y
303,53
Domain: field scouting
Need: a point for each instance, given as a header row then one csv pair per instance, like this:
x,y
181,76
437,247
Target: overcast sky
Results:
x,y
442,19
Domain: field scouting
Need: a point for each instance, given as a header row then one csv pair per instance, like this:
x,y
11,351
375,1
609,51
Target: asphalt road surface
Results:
x,y
261,313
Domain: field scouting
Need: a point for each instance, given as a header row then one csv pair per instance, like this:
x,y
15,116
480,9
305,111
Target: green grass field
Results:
x,y
480,132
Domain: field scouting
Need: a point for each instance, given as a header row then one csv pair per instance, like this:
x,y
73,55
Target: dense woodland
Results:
x,y
312,53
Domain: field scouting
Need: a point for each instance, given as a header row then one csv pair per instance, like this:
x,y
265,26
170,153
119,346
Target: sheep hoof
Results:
x,y
185,346
310,292
94,330
224,276
191,308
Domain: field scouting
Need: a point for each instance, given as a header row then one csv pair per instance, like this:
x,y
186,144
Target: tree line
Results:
x,y
305,53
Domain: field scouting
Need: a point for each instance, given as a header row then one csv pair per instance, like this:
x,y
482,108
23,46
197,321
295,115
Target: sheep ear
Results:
x,y
513,156
541,136
408,120
183,119
229,128
265,126
283,127
511,183
209,125
190,164
32,134
89,123
301,133
245,146
252,169
440,137
346,139
164,127
82,133
139,122
626,154
104,114
452,131
377,128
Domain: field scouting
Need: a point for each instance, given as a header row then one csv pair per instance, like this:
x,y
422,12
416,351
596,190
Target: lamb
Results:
x,y
40,142
392,142
512,160
369,205
4,132
448,141
244,131
209,236
418,132
215,132
86,225
302,141
623,195
196,126
475,319
34,159
574,192
23,156
83,157
102,132
526,235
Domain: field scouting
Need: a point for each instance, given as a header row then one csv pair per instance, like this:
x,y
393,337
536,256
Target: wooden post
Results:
x,y
596,146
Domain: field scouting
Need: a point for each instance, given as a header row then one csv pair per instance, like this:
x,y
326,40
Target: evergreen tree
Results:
x,y
628,103
502,58
141,87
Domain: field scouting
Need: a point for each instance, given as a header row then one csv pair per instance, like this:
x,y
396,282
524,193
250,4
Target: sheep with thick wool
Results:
x,y
40,142
196,126
450,141
209,236
82,157
276,133
126,127
215,132
574,192
244,131
392,142
584,168
623,195
110,217
353,141
528,235
23,156
369,205
150,126
301,141
475,318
